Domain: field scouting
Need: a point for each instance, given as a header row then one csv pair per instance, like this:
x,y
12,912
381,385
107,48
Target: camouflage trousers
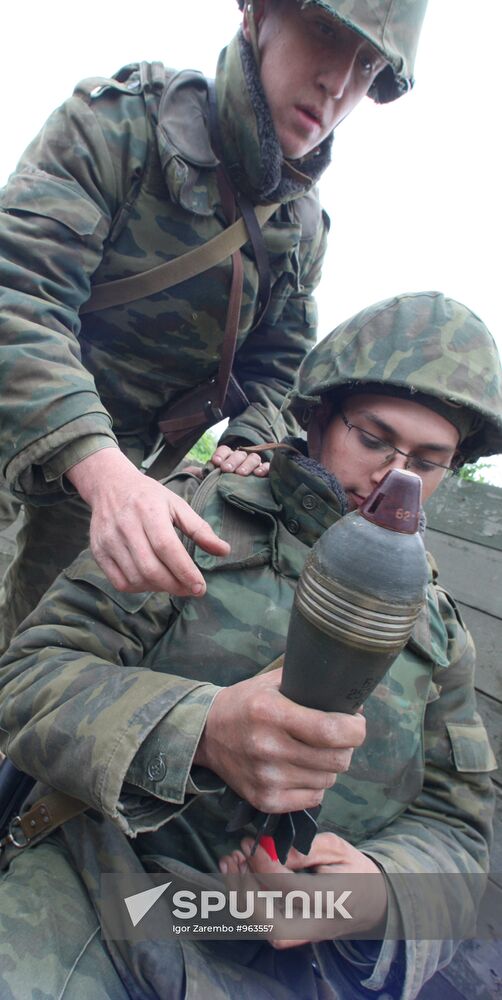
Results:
x,y
50,941
51,947
48,540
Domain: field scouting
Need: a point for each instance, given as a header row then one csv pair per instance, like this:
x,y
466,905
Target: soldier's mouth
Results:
x,y
356,497
309,115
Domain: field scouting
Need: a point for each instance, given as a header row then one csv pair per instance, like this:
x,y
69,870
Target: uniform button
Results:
x,y
157,769
309,502
293,526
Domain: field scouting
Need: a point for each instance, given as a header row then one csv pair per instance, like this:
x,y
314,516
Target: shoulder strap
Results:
x,y
158,279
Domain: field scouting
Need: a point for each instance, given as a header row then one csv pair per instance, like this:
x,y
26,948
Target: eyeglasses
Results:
x,y
385,452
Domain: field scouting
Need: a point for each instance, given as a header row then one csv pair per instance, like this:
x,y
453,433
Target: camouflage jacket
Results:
x,y
113,187
121,684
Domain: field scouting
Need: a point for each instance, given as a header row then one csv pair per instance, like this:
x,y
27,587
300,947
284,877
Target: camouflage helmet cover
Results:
x,y
422,342
392,27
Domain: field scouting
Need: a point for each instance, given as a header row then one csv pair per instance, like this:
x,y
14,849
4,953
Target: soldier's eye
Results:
x,y
371,63
374,443
418,464
326,28
367,64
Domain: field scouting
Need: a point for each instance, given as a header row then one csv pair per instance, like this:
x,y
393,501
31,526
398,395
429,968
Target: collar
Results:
x,y
251,150
308,504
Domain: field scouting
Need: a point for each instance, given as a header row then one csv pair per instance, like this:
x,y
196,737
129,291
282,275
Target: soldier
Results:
x,y
121,179
144,706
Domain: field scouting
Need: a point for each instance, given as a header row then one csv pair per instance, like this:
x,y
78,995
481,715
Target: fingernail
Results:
x,y
198,588
228,467
223,867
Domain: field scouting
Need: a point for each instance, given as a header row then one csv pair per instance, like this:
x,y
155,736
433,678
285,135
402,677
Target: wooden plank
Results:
x,y
438,988
475,973
491,713
487,634
496,852
471,572
467,510
476,970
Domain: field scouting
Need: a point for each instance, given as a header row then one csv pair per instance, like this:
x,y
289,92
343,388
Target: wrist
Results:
x,y
96,471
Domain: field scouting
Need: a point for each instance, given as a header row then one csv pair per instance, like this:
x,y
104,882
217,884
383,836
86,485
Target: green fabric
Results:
x,y
122,683
102,193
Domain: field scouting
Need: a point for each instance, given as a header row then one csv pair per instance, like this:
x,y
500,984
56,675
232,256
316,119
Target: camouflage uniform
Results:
x,y
120,685
105,191
113,186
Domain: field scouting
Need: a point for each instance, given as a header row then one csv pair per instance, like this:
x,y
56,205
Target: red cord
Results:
x,y
268,844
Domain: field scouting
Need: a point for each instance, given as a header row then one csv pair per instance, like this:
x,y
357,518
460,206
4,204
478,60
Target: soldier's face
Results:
x,y
314,70
361,456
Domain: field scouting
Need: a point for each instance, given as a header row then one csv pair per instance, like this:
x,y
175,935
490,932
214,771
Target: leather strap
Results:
x,y
235,297
44,816
260,253
188,421
246,208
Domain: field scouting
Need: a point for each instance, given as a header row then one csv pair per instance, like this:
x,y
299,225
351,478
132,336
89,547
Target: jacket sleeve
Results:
x,y
446,830
64,682
267,363
55,213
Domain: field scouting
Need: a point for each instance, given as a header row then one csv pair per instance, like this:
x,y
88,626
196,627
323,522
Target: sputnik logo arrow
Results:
x,y
139,904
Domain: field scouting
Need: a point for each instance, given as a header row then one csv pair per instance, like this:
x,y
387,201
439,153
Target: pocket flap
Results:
x,y
40,193
471,747
85,570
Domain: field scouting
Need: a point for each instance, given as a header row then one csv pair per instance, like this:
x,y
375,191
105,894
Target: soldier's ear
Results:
x,y
252,17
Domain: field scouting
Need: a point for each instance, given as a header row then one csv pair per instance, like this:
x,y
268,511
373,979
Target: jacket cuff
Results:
x,y
25,472
71,454
163,763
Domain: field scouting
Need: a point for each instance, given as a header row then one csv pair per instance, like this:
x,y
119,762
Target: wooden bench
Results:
x,y
464,535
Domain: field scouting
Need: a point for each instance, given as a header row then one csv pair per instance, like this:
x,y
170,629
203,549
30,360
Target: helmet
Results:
x,y
392,28
422,342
